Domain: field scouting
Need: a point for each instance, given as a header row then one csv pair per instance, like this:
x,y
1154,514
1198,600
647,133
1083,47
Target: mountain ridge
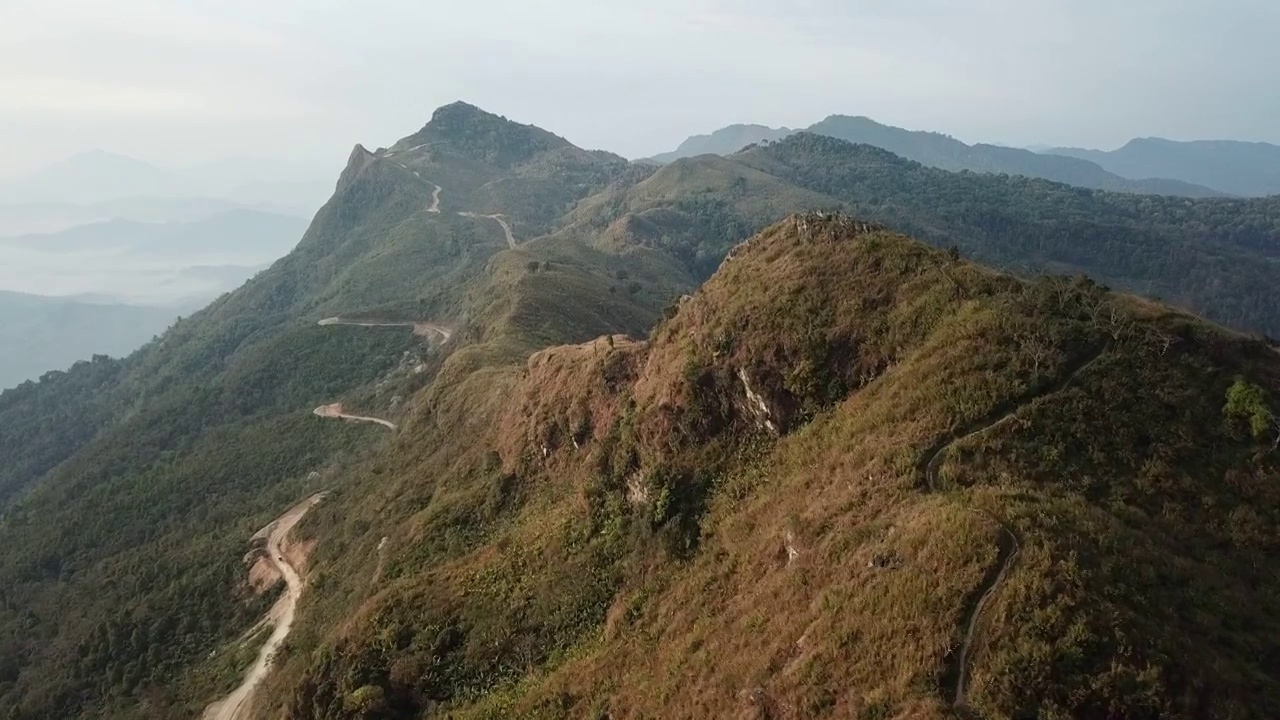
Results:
x,y
725,141
646,470
945,152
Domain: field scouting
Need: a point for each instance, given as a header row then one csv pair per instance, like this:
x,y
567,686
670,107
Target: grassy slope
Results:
x,y
612,527
543,512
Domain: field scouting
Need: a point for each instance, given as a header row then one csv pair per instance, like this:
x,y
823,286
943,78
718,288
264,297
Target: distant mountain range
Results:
x,y
1155,167
724,141
151,263
1239,168
100,252
121,282
238,233
39,333
98,176
51,217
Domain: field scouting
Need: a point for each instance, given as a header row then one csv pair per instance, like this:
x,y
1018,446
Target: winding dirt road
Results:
x,y
236,706
502,220
335,411
1010,548
435,196
435,193
435,200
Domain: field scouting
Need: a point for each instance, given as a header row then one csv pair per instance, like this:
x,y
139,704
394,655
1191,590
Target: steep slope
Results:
x,y
1240,168
853,476
557,520
498,166
135,484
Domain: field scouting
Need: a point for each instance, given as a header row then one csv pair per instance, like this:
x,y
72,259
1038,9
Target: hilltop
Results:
x,y
792,496
600,462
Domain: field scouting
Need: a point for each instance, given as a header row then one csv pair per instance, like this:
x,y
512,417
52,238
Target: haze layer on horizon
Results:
x,y
197,80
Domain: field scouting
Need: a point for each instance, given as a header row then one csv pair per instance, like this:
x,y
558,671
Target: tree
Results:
x,y
1248,402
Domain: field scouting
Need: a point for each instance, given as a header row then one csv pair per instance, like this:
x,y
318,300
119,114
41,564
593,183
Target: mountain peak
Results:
x,y
461,111
359,159
471,131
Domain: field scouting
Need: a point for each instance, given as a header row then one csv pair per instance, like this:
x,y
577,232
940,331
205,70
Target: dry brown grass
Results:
x,y
609,528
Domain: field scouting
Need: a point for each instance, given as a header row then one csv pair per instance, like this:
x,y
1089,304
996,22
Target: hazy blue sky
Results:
x,y
184,81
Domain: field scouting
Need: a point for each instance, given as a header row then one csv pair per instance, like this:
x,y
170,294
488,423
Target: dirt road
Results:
x,y
435,200
335,411
422,329
502,220
435,194
237,705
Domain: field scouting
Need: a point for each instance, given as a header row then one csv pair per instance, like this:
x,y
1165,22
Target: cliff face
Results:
x,y
359,160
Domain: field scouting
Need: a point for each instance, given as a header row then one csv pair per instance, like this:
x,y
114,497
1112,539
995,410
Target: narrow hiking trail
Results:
x,y
237,705
334,410
421,329
1009,545
1009,550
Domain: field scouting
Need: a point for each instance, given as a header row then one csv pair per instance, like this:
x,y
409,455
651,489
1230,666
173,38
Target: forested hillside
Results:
x,y
850,475
1166,247
1218,257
